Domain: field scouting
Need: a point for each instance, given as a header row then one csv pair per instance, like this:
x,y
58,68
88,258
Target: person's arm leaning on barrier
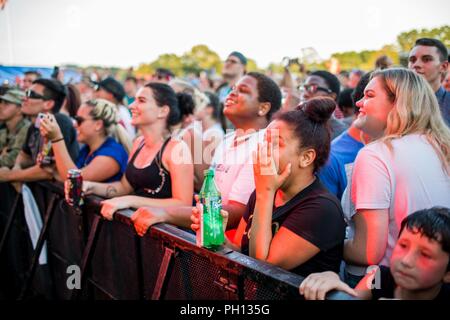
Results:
x,y
94,171
144,217
182,178
180,216
8,157
23,160
317,285
107,190
17,174
234,244
113,189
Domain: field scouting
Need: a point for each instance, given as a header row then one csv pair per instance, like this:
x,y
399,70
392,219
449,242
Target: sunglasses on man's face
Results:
x,y
313,88
30,94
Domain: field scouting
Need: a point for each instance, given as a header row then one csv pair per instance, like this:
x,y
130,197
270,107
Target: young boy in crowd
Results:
x,y
420,265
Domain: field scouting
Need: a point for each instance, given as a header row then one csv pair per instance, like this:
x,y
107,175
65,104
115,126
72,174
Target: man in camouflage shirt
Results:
x,y
14,127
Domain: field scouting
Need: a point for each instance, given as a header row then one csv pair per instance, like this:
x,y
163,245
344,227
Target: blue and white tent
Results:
x,y
11,73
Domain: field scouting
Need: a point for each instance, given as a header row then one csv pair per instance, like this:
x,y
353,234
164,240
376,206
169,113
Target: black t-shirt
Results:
x,y
314,215
34,141
387,287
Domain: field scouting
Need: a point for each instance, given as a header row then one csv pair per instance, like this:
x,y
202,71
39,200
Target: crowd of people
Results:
x,y
327,179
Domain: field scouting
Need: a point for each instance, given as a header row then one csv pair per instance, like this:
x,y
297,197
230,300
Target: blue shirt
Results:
x,y
109,148
346,147
443,98
343,151
223,93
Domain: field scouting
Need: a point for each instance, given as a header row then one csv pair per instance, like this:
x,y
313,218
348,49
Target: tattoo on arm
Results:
x,y
111,192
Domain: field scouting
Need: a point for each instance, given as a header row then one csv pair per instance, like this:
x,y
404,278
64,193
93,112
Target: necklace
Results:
x,y
161,173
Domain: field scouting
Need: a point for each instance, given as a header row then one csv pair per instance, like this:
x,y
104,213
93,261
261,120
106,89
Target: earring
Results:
x,y
260,113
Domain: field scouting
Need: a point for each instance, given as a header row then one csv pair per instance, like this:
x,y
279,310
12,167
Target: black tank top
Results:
x,y
152,181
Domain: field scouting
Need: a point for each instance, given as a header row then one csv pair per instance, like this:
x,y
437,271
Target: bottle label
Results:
x,y
211,233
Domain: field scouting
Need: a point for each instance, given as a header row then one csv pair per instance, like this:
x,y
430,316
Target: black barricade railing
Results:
x,y
111,261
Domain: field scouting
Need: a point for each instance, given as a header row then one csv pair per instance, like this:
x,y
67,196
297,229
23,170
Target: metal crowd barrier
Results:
x,y
115,263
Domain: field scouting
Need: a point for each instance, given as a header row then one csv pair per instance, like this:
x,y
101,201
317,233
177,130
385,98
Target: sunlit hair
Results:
x,y
109,114
416,111
201,100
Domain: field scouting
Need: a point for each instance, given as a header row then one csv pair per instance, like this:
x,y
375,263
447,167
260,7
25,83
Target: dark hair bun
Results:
x,y
319,109
185,103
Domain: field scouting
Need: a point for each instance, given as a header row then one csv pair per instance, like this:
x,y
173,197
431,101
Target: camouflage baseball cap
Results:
x,y
15,96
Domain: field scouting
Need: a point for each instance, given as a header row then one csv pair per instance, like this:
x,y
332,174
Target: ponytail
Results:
x,y
119,133
108,113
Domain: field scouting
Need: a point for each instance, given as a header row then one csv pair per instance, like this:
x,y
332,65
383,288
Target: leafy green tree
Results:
x,y
169,61
275,67
407,39
199,58
143,69
252,66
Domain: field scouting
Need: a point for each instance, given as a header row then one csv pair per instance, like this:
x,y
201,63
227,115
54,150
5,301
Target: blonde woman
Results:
x,y
406,169
106,144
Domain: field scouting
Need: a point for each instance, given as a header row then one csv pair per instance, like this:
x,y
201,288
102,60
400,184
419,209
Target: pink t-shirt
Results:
x,y
408,178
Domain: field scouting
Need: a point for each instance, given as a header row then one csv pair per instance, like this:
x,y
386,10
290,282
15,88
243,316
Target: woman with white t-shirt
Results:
x,y
405,170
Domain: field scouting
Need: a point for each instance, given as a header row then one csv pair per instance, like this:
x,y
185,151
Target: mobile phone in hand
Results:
x,y
39,118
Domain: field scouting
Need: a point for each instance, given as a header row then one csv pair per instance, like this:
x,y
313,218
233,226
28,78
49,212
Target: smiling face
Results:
x,y
85,125
32,106
242,102
418,262
144,110
374,109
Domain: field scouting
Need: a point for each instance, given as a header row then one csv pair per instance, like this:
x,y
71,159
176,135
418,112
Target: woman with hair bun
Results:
x,y
160,171
291,220
105,153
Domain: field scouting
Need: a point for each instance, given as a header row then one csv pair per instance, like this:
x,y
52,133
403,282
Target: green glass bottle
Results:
x,y
210,234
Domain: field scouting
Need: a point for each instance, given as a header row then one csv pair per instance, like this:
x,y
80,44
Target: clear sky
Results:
x,y
129,32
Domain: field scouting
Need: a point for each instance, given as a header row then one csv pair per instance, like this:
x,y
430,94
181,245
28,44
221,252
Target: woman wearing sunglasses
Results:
x,y
105,153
